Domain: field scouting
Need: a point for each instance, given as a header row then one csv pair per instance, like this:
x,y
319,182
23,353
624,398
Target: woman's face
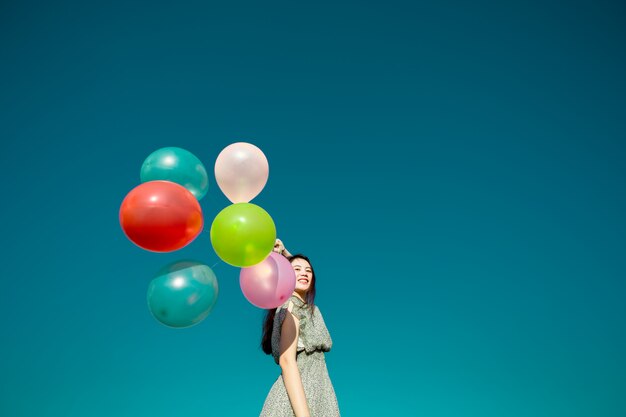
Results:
x,y
304,274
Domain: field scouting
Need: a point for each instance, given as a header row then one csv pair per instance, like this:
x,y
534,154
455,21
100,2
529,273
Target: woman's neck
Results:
x,y
300,296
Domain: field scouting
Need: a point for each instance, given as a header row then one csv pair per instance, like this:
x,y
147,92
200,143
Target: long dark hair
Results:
x,y
268,321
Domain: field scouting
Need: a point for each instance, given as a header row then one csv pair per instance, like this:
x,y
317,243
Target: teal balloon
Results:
x,y
182,294
176,165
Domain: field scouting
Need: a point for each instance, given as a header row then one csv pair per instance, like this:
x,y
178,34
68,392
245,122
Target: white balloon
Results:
x,y
241,171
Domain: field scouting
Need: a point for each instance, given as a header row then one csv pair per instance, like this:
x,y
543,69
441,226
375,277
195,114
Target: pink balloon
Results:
x,y
270,283
241,171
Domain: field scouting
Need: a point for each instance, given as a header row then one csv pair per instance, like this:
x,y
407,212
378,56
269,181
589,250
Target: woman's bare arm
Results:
x,y
287,361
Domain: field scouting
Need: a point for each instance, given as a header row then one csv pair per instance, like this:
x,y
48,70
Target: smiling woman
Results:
x,y
296,336
304,274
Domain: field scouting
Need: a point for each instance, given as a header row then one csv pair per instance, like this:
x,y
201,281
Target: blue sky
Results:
x,y
454,171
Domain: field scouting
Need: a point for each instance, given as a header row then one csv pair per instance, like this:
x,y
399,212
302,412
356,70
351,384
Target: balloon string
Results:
x,y
216,263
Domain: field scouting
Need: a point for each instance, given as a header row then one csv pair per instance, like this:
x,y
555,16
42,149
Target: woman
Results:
x,y
296,336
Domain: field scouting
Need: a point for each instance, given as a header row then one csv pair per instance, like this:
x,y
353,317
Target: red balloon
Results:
x,y
161,216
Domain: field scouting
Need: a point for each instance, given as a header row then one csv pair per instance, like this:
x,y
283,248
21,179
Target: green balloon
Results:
x,y
243,234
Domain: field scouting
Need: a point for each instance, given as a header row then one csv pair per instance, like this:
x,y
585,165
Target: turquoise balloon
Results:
x,y
176,165
182,294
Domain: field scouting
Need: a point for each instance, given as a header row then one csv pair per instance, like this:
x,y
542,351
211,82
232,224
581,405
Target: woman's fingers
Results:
x,y
278,246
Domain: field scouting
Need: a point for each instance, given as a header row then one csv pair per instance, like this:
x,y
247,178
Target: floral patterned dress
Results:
x,y
313,341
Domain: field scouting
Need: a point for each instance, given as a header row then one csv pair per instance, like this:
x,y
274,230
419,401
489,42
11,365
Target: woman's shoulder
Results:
x,y
296,306
291,302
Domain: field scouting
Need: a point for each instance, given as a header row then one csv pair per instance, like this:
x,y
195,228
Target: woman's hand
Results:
x,y
279,247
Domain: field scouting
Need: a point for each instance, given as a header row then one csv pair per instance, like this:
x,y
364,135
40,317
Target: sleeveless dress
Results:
x,y
313,341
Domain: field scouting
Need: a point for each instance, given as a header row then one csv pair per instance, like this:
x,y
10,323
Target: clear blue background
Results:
x,y
455,171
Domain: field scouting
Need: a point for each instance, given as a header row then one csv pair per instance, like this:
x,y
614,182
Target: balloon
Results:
x,y
270,283
182,294
177,165
161,216
241,171
243,234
